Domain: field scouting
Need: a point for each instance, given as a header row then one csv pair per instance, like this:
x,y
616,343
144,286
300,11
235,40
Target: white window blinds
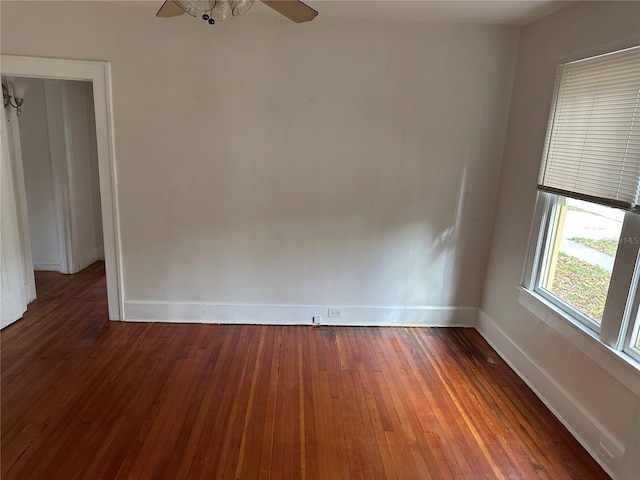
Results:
x,y
592,150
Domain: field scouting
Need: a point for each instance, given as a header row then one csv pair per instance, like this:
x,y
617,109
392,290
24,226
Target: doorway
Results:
x,y
60,168
97,73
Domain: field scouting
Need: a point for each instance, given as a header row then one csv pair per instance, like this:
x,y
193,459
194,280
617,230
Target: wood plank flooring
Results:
x,y
84,398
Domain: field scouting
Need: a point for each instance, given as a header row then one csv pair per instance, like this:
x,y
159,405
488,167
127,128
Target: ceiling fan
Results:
x,y
212,10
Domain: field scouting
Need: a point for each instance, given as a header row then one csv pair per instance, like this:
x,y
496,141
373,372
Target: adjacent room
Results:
x,y
320,240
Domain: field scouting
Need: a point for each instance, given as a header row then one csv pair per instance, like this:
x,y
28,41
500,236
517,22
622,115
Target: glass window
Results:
x,y
584,260
581,251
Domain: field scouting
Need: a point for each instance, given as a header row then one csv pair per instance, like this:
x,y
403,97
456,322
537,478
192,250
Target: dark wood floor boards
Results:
x,y
472,416
437,406
271,395
378,456
84,398
480,421
509,409
247,424
503,411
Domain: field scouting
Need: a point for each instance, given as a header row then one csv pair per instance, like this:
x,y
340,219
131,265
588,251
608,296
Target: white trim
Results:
x,y
49,267
68,179
99,74
182,312
567,408
59,146
622,290
622,367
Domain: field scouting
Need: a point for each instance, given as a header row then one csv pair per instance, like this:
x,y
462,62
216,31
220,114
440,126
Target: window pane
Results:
x,y
580,256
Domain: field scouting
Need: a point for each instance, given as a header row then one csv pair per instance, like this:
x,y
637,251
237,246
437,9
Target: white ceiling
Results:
x,y
504,12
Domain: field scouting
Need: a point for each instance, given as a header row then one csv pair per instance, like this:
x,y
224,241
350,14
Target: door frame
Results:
x,y
99,74
57,112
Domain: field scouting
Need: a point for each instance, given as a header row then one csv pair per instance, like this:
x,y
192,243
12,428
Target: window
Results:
x,y
582,246
584,257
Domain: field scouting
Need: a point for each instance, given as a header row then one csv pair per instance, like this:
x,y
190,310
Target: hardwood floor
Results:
x,y
84,398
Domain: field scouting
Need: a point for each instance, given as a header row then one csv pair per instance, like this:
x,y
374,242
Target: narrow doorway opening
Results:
x,y
60,166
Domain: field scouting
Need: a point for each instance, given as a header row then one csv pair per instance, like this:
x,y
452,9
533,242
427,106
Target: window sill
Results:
x,y
623,367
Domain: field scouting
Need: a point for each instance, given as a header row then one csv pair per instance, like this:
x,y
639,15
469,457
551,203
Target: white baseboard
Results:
x,y
569,411
50,267
141,311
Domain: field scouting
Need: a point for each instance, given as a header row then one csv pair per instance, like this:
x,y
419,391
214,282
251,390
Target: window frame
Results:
x,y
631,320
542,265
621,320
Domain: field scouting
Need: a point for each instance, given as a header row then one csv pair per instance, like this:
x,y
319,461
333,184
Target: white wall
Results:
x,y
266,163
34,139
587,395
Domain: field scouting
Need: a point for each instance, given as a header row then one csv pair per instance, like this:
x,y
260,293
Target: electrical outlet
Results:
x,y
334,313
606,455
316,319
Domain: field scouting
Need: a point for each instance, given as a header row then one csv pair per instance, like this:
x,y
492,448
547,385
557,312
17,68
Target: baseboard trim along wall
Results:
x,y
582,425
50,267
423,316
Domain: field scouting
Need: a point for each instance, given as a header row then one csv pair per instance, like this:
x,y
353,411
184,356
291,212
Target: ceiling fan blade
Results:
x,y
293,9
169,9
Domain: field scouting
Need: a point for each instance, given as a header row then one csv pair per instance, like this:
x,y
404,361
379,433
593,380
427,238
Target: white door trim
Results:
x,y
60,148
15,147
99,73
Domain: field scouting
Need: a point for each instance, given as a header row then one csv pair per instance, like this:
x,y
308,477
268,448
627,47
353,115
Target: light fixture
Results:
x,y
212,10
15,100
